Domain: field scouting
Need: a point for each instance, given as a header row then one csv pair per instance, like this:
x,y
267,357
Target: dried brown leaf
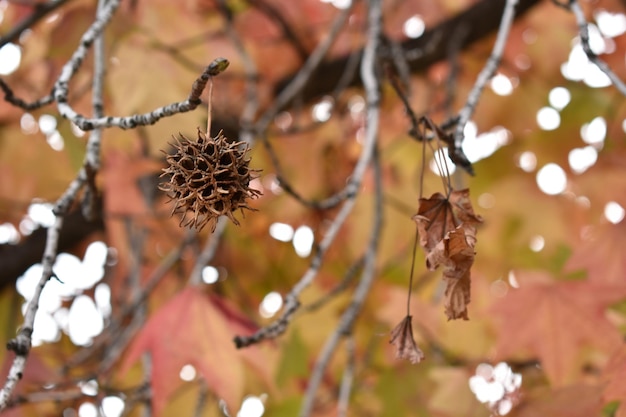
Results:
x,y
402,339
454,253
439,215
447,230
434,219
457,296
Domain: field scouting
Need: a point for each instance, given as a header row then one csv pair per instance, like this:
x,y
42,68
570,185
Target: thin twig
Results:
x,y
92,157
22,343
347,379
208,252
368,73
487,72
292,303
288,94
273,13
346,322
338,289
304,74
583,29
251,107
115,347
10,97
41,10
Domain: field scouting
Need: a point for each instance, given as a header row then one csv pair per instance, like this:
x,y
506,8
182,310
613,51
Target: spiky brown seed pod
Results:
x,y
208,178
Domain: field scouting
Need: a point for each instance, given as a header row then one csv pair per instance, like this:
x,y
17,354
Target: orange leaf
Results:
x,y
554,320
615,375
122,174
194,329
571,401
601,254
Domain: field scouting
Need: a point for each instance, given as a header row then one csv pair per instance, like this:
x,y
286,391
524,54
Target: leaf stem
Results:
x,y
408,299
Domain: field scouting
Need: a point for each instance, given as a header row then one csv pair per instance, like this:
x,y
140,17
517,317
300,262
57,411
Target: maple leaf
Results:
x,y
122,174
454,253
572,401
555,320
614,375
402,339
601,254
196,329
447,230
457,256
438,215
457,297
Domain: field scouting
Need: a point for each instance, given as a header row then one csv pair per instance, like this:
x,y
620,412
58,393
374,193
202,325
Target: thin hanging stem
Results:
x,y
408,299
208,122
437,158
423,163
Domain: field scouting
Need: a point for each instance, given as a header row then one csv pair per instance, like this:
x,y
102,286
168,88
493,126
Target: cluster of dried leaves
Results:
x,y
447,233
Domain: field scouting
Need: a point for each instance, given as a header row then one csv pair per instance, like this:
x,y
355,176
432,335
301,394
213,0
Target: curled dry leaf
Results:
x,y
447,230
402,339
457,296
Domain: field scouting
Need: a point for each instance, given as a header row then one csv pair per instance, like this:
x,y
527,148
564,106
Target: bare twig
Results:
x,y
208,252
21,344
304,74
252,96
273,13
338,289
347,379
370,80
292,303
72,66
583,30
487,72
287,95
9,96
92,156
41,10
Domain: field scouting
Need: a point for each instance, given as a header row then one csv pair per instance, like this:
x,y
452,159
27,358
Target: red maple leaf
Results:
x,y
555,320
197,329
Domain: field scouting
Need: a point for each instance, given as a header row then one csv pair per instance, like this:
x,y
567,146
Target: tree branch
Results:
x,y
41,10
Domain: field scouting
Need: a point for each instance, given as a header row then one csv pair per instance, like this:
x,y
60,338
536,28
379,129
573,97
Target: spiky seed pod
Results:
x,y
208,178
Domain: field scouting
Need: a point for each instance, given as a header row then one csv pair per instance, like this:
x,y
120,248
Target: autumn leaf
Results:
x,y
554,320
578,400
457,297
439,215
453,253
447,231
601,254
451,396
614,376
194,329
402,339
457,257
122,174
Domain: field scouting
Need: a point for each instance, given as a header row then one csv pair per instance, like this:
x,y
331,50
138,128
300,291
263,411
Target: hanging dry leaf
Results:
x,y
447,229
457,297
439,215
434,219
463,208
454,253
402,339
